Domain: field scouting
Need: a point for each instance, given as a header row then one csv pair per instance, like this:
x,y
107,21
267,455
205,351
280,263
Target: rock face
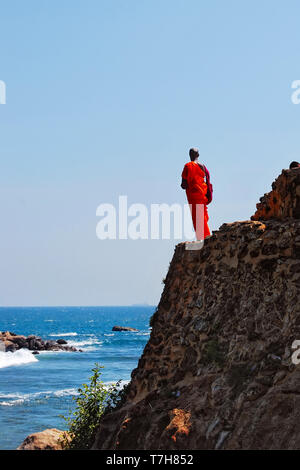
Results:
x,y
123,328
284,199
45,440
12,342
217,371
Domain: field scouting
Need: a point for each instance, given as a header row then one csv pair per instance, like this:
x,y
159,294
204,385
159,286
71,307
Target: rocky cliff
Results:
x,y
217,371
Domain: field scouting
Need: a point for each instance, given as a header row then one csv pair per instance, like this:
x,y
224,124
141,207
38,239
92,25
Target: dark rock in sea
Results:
x,y
61,341
123,328
11,342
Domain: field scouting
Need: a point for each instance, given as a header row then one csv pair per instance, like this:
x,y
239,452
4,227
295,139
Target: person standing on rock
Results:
x,y
196,182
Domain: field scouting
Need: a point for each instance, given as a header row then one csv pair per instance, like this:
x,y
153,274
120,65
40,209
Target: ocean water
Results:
x,y
35,390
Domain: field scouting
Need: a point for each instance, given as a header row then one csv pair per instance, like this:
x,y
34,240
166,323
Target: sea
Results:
x,y
35,390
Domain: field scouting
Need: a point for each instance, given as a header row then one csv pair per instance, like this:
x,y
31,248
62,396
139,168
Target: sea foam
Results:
x,y
90,344
13,399
22,356
64,334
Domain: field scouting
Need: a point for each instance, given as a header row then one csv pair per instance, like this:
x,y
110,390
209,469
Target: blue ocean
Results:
x,y
36,389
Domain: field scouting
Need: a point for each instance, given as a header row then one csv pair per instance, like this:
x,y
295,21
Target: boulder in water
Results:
x,y
123,328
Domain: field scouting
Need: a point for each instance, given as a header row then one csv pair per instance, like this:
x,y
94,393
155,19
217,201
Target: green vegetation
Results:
x,y
212,353
94,401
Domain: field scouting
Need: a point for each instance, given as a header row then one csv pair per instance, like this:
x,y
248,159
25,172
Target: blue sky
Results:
x,y
104,98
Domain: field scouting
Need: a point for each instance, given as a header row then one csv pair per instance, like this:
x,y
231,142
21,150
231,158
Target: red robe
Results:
x,y
196,196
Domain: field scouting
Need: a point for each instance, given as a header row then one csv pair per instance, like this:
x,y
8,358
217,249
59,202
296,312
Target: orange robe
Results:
x,y
196,196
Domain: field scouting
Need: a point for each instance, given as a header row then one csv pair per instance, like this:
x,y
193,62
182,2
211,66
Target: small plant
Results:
x,y
94,400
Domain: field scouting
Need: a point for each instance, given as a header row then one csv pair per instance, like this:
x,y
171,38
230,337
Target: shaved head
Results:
x,y
194,153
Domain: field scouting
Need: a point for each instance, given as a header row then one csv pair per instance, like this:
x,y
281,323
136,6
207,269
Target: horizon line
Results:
x,y
77,306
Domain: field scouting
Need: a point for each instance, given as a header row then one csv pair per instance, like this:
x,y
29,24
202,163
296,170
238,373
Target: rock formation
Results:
x,y
284,199
10,342
50,439
219,370
123,328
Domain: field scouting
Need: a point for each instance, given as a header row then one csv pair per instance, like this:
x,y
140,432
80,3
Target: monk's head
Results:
x,y
194,154
294,165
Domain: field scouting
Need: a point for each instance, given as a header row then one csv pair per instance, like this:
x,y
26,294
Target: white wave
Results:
x,y
64,334
85,342
109,334
22,356
49,320
47,393
19,398
12,403
9,395
65,392
60,351
15,399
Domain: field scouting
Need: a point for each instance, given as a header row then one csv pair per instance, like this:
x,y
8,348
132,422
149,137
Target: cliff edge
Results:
x,y
217,371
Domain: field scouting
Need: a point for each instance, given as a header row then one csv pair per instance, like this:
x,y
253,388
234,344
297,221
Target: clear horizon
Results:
x,y
75,306
105,98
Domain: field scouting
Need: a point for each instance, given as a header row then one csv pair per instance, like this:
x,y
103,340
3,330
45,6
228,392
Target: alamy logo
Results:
x,y
138,221
2,92
295,97
296,354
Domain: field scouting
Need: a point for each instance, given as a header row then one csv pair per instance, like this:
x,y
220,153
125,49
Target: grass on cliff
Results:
x,y
95,400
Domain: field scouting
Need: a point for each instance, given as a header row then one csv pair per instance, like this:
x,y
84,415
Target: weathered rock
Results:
x,y
284,199
217,371
44,440
10,346
123,328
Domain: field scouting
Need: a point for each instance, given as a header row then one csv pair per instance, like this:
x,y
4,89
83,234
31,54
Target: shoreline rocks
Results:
x,y
11,342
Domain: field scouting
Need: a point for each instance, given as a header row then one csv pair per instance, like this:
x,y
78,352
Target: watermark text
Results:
x,y
2,92
157,222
